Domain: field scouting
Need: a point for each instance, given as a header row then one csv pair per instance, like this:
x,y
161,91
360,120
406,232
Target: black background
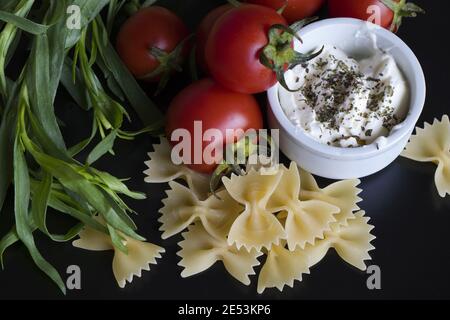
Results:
x,y
412,223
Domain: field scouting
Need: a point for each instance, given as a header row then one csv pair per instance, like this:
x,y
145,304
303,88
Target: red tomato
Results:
x,y
234,47
150,27
390,12
295,10
204,30
217,108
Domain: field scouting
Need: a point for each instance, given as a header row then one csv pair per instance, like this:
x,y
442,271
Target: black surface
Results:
x,y
412,222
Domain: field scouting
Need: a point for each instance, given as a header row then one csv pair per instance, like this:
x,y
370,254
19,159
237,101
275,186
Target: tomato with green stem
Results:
x,y
217,108
391,12
153,43
292,10
250,47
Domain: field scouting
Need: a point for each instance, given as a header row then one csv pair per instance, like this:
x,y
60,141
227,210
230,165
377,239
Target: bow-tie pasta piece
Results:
x,y
200,250
342,194
256,227
432,144
282,267
125,266
351,242
305,220
93,240
182,208
161,169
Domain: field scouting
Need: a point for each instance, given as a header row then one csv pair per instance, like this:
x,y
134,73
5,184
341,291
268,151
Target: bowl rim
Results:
x,y
416,105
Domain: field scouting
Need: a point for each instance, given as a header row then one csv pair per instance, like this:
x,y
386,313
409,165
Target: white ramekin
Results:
x,y
347,163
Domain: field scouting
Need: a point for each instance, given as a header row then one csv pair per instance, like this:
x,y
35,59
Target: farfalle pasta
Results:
x,y
282,267
200,250
182,208
305,220
125,266
343,194
432,144
255,227
161,169
271,209
351,242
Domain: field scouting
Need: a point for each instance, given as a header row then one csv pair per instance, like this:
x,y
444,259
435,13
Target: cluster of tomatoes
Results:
x,y
242,49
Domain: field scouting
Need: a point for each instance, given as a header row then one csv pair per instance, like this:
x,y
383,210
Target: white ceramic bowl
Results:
x,y
347,163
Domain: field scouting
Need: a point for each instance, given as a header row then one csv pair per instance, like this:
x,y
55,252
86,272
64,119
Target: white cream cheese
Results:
x,y
344,102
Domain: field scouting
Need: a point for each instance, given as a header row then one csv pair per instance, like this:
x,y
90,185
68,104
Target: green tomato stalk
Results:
x,y
401,9
279,54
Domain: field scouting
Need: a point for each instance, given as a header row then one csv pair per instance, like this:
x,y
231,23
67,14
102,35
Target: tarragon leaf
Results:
x,y
75,86
21,203
89,10
117,240
102,148
147,111
69,176
40,89
8,240
23,23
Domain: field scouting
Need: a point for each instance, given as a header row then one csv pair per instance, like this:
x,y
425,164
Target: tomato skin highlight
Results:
x,y
359,9
203,31
295,10
235,44
217,108
149,27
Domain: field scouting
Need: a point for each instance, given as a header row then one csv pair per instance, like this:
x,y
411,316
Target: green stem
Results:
x,y
283,7
401,9
279,55
113,10
168,62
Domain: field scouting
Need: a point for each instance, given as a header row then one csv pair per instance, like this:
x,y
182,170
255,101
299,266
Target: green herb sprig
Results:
x,y
34,157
